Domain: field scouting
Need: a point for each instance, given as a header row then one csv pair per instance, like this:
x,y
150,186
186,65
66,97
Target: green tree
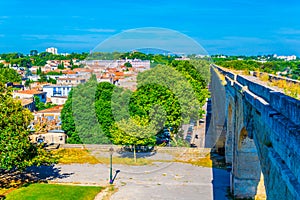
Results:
x,y
34,53
24,62
43,78
68,123
134,131
27,82
100,98
148,96
39,71
81,109
16,151
54,73
61,66
51,80
197,74
103,106
38,104
203,69
72,64
28,72
128,64
9,75
178,83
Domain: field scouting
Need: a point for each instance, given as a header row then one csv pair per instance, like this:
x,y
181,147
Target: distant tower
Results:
x,y
52,50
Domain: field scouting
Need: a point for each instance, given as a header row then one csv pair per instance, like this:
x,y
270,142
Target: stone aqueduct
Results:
x,y
259,129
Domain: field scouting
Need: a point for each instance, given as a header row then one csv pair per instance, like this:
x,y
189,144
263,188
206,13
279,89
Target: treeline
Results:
x,y
166,96
291,68
38,59
154,58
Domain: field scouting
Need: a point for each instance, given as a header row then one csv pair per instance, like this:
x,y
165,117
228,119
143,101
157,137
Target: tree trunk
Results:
x,y
134,154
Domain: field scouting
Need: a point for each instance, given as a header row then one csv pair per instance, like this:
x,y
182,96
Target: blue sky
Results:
x,y
233,27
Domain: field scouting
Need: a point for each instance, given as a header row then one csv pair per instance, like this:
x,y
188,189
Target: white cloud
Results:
x,y
3,18
35,37
289,31
97,30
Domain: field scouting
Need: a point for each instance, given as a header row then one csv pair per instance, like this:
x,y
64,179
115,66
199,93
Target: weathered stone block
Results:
x,y
244,188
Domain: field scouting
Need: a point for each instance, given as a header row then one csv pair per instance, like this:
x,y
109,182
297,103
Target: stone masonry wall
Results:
x,y
272,120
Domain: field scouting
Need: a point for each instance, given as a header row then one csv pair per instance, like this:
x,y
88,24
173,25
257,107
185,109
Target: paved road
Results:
x,y
158,181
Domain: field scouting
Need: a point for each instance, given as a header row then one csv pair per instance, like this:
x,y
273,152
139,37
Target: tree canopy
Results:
x,y
9,75
166,96
134,131
81,115
16,151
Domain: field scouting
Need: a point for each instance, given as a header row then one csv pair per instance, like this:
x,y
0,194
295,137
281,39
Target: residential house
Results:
x,y
70,81
28,103
47,126
51,116
30,94
52,137
58,100
57,90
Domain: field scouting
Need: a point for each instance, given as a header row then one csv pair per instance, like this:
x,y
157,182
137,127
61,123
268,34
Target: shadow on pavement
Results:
x,y
221,180
46,173
30,175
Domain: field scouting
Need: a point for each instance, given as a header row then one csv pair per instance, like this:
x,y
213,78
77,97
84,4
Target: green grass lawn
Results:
x,y
54,192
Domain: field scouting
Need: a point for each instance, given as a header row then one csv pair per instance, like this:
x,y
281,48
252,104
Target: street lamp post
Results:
x,y
111,151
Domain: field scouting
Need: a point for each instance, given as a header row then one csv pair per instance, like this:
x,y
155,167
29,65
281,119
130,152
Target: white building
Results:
x,y
57,90
52,50
286,58
117,63
30,94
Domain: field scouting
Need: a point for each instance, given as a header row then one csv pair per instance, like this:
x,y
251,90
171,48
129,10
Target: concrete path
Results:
x,y
177,181
158,181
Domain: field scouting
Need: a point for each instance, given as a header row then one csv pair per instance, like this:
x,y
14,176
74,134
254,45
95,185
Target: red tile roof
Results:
x,y
25,102
30,92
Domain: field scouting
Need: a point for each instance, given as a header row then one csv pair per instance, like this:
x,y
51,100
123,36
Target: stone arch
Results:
x,y
244,140
247,177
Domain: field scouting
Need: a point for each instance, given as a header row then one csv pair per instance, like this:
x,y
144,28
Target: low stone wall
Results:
x,y
89,146
103,147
